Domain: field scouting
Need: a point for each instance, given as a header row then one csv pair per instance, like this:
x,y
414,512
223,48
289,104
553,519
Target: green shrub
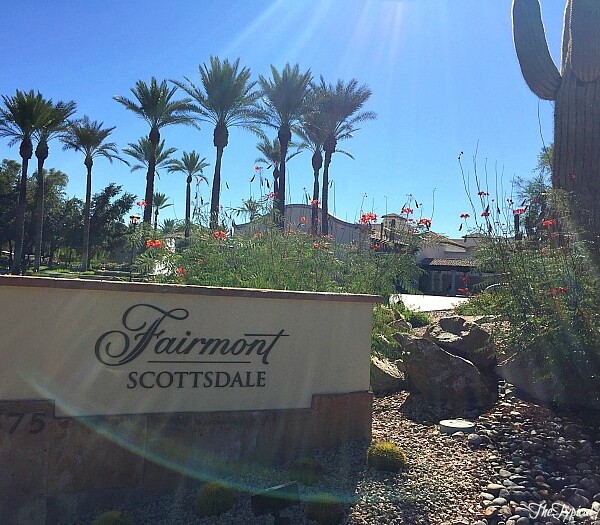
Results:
x,y
386,456
325,510
114,517
485,303
416,319
214,498
307,471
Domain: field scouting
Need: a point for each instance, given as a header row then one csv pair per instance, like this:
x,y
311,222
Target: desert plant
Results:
x,y
574,90
114,517
414,317
386,456
306,471
325,509
214,498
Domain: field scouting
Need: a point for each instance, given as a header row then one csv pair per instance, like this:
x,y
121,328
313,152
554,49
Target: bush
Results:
x,y
214,498
325,510
306,471
386,456
114,517
416,319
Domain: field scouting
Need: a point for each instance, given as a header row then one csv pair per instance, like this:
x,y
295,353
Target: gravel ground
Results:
x,y
525,465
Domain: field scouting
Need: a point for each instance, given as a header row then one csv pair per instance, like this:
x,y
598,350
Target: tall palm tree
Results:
x,y
160,203
144,152
340,104
156,106
225,98
55,124
22,115
88,137
285,97
192,165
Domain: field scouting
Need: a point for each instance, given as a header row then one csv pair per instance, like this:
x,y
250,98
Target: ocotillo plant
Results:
x,y
576,92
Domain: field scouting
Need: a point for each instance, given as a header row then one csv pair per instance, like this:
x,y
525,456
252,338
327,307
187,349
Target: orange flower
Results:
x,y
549,223
519,211
157,243
424,222
314,203
220,235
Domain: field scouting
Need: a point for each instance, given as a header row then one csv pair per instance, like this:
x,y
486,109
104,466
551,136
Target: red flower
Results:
x,y
256,168
258,235
368,218
314,203
573,176
464,215
375,247
141,204
485,213
181,272
463,291
157,243
302,220
407,210
424,222
483,194
219,235
549,223
519,211
556,291
271,195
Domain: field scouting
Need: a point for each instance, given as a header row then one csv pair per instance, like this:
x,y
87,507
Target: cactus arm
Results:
x,y
565,57
585,39
537,66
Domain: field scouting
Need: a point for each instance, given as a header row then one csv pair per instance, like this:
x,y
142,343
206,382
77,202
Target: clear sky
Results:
x,y
444,77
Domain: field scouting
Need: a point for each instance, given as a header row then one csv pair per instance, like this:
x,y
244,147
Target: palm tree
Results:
x,y
271,151
88,137
192,165
339,104
285,98
156,106
143,152
160,203
225,98
22,115
55,124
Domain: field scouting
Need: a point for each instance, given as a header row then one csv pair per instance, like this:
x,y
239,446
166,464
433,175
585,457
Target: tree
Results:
x,y
89,138
575,90
192,165
56,123
107,228
9,193
271,151
22,115
225,98
285,97
143,152
339,104
160,203
156,106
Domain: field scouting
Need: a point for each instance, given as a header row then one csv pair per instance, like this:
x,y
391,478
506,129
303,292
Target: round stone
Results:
x,y
451,426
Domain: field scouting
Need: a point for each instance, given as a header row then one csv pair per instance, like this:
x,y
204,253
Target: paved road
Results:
x,y
430,303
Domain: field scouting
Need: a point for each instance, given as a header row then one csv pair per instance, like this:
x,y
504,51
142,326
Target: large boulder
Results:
x,y
386,376
465,339
443,378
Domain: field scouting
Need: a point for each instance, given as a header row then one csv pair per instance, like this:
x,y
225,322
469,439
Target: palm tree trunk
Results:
x,y
325,196
85,259
155,221
317,163
285,136
188,198
26,151
41,152
154,138
216,191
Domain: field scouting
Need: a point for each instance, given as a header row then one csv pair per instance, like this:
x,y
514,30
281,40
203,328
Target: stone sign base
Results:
x,y
51,465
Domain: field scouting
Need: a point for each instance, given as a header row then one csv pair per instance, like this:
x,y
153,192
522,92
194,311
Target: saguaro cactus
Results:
x,y
576,92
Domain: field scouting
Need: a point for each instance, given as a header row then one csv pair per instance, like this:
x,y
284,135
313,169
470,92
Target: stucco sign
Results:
x,y
118,348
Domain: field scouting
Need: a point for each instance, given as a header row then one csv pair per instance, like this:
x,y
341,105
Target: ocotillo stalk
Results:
x,y
576,92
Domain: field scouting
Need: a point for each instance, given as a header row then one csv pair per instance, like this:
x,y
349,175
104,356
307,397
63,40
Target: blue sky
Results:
x,y
444,77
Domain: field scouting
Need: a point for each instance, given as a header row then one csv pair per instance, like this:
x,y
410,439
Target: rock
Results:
x,y
474,440
464,339
385,376
443,378
494,488
401,325
499,501
578,501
